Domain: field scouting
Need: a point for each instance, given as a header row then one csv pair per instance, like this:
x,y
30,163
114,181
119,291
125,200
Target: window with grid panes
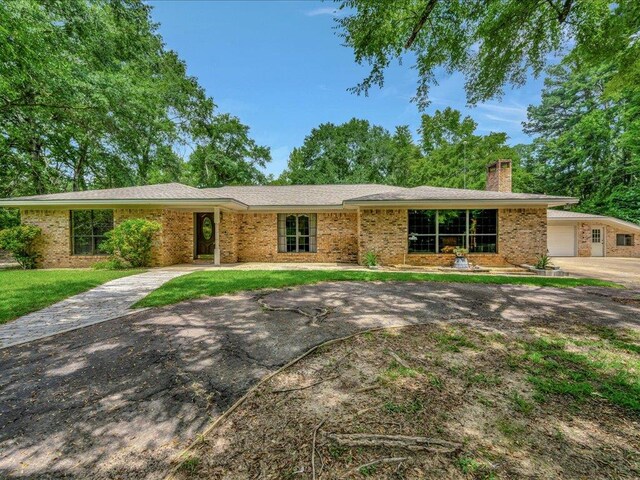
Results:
x,y
297,232
88,228
432,231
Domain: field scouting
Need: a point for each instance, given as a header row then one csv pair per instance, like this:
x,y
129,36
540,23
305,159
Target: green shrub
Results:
x,y
19,241
111,264
370,259
129,244
543,262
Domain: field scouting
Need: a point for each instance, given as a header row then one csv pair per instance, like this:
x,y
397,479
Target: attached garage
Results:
x,y
575,234
561,240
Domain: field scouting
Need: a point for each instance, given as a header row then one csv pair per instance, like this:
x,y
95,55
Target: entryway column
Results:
x,y
216,230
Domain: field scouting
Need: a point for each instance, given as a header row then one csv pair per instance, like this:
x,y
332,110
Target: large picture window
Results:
x,y
297,232
87,230
438,231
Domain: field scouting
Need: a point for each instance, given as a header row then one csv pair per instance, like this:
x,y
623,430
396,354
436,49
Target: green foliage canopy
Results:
x,y
491,42
449,154
91,98
455,156
227,155
586,141
353,152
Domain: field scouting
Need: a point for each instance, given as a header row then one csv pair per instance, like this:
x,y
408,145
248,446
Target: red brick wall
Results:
x,y
252,237
257,239
522,236
173,245
228,237
54,245
613,250
499,176
609,236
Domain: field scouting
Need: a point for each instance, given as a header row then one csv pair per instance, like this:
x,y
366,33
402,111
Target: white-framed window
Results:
x,y
596,236
624,240
297,232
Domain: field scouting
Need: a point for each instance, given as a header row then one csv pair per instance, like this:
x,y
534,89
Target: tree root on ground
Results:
x,y
317,313
435,445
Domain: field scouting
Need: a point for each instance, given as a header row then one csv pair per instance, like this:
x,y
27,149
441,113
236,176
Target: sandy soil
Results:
x,y
120,399
459,384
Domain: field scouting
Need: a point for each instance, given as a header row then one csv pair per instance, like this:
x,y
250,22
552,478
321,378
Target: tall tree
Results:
x,y
455,156
227,155
406,155
491,42
587,139
353,152
90,98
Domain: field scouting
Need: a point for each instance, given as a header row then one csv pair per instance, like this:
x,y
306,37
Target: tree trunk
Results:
x,y
38,167
78,169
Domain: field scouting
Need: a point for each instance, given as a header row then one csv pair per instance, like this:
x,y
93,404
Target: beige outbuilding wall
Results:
x,y
609,233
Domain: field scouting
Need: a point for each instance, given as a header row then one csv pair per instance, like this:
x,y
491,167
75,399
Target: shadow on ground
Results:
x,y
121,398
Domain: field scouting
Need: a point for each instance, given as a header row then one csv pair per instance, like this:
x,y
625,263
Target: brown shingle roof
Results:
x,y
280,195
426,193
567,215
274,195
162,191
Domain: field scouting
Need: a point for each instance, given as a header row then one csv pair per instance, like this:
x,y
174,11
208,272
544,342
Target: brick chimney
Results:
x,y
499,176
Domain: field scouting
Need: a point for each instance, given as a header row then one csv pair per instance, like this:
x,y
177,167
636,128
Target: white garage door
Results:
x,y
561,241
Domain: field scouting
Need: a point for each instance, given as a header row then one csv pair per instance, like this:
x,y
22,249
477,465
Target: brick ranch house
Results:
x,y
304,223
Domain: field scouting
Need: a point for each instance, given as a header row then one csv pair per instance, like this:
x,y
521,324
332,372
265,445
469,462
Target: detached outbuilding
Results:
x,y
573,234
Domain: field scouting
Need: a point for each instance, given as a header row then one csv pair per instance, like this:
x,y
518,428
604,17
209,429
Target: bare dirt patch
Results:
x,y
121,399
537,402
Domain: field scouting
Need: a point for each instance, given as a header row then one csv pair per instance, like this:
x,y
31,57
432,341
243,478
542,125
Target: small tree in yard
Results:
x,y
19,241
129,244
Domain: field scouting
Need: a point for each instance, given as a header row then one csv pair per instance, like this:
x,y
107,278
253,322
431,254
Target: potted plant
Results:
x,y
460,260
371,260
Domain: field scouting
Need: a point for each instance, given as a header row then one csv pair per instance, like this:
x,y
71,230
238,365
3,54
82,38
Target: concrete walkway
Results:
x,y
108,301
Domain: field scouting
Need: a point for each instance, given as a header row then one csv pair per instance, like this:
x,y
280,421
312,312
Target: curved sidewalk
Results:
x,y
105,302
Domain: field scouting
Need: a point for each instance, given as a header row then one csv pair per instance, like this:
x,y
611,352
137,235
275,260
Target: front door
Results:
x,y
205,234
597,245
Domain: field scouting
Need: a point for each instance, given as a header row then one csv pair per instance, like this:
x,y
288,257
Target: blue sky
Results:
x,y
280,67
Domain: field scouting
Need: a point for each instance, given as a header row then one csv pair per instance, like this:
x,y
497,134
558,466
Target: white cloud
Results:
x,y
515,110
496,118
334,12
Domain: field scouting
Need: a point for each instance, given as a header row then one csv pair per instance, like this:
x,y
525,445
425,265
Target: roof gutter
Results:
x,y
519,202
182,203
294,208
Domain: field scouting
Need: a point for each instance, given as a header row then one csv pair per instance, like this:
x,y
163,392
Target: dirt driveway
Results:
x,y
622,270
119,399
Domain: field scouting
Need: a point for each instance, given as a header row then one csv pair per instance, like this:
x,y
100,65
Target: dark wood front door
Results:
x,y
205,235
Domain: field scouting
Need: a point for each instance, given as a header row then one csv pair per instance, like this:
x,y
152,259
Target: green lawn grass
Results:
x,y
24,291
211,283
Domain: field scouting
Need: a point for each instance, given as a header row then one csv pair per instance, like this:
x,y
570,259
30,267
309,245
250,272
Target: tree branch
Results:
x,y
564,12
423,19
